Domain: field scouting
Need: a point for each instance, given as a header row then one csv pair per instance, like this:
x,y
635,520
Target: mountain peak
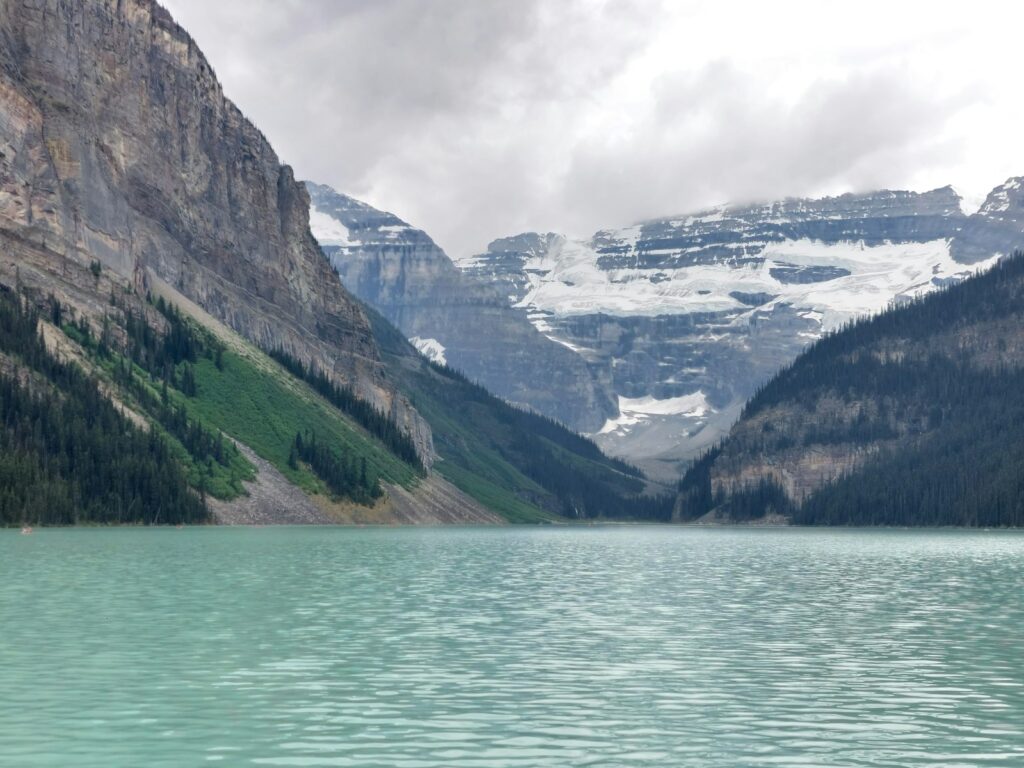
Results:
x,y
1006,200
340,221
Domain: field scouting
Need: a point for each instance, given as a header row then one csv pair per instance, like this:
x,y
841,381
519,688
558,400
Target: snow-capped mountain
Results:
x,y
996,227
687,316
452,317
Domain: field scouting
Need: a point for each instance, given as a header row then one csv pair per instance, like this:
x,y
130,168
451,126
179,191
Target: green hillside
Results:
x,y
242,392
197,390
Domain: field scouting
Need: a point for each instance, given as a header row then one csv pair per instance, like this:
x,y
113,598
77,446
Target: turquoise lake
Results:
x,y
520,646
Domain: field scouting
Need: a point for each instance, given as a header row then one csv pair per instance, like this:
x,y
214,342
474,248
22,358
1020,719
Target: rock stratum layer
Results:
x,y
120,156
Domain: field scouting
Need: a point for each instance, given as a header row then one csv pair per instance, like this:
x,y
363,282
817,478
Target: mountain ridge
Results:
x,y
709,305
82,183
153,237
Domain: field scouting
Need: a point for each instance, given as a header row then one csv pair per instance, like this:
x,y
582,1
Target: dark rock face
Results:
x,y
504,263
791,273
117,145
403,274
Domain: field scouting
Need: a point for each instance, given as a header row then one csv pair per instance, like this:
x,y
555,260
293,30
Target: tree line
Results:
x,y
344,398
343,475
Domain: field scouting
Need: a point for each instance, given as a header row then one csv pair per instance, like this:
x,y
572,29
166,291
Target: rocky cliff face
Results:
x,y
687,316
122,162
453,317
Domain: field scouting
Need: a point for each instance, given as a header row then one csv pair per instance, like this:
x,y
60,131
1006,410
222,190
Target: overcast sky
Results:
x,y
475,119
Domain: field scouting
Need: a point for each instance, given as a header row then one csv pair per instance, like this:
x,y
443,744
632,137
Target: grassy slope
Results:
x,y
258,403
467,461
221,482
254,400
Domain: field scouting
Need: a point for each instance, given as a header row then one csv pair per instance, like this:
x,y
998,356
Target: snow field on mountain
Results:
x,y
633,411
432,349
567,281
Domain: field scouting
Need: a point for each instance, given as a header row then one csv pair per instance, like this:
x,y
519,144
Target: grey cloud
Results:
x,y
712,138
470,118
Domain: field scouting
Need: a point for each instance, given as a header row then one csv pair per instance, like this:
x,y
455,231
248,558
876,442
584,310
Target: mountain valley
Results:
x,y
678,320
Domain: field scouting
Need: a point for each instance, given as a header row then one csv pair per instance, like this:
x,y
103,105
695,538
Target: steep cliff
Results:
x,y
687,316
455,318
119,149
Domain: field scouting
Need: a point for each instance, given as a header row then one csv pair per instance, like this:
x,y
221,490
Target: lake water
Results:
x,y
614,646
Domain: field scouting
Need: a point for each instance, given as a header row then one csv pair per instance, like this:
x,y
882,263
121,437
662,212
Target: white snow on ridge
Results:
x,y
878,275
637,410
567,281
392,231
999,199
328,230
432,349
970,202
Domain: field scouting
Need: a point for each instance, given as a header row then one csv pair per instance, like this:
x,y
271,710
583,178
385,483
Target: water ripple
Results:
x,y
516,647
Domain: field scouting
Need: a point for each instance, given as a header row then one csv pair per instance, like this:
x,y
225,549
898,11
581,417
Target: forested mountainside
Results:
x,y
913,417
180,394
685,316
67,453
158,269
455,318
238,429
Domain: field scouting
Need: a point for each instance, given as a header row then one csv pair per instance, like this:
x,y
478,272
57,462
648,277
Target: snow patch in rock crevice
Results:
x,y
635,410
432,349
328,230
